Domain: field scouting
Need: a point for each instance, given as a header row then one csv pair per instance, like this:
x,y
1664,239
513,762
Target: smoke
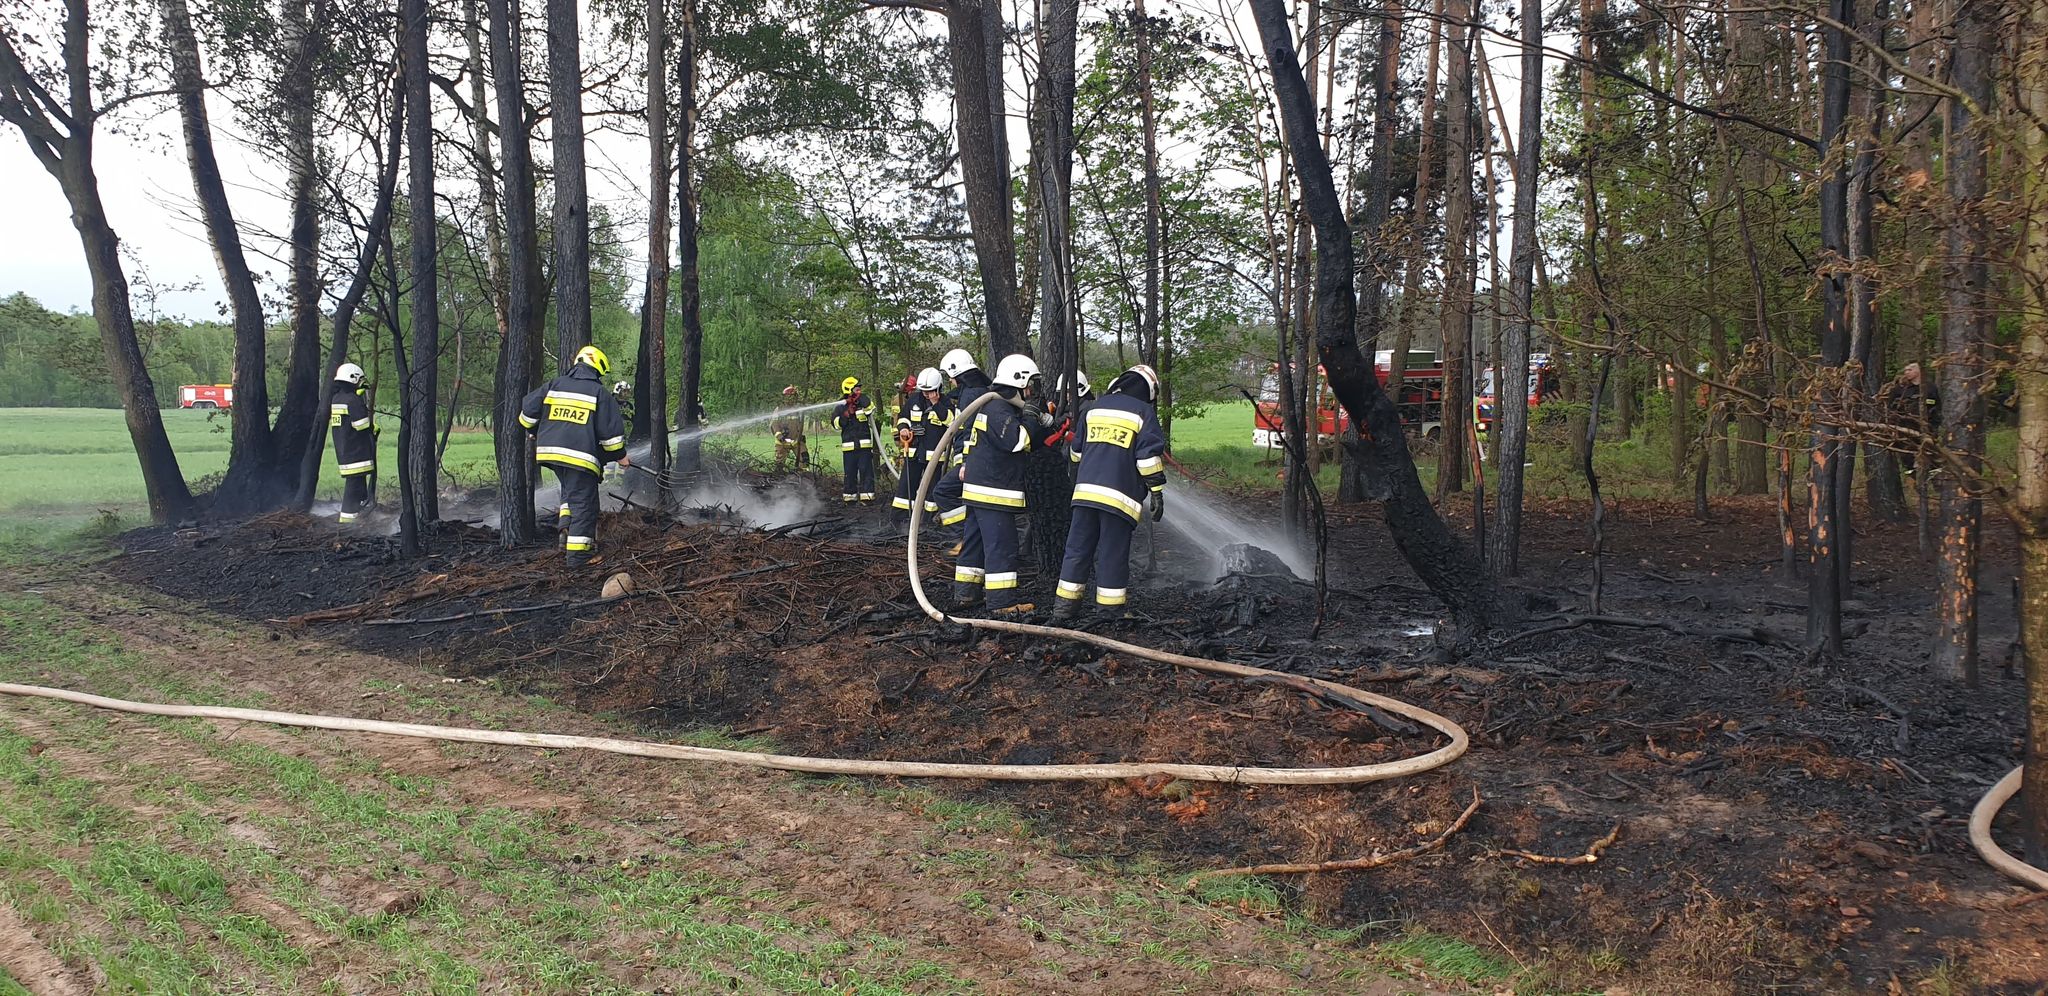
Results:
x,y
764,508
1209,525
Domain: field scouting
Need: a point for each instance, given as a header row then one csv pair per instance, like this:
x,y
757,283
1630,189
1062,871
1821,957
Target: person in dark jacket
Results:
x,y
919,425
577,430
355,440
1120,449
1913,405
854,417
992,485
969,383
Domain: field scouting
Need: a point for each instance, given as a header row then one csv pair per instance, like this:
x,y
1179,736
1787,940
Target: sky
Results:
x,y
146,186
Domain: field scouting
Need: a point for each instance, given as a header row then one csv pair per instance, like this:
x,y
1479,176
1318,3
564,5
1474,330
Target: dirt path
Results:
x,y
255,857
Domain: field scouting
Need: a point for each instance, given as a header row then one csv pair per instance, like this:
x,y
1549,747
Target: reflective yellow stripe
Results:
x,y
1071,590
1151,465
577,543
954,517
1110,498
525,422
900,502
358,468
998,582
568,399
562,456
1124,419
1109,596
967,575
361,424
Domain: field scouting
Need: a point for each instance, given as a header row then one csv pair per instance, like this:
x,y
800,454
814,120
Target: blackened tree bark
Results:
x,y
421,472
1372,300
1459,272
1827,519
298,416
572,195
974,44
375,231
652,383
1886,495
688,449
1149,322
1050,480
1511,401
249,484
1448,567
522,280
57,117
1965,326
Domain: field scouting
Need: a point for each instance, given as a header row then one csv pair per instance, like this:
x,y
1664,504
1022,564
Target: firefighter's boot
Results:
x,y
966,595
579,558
1065,611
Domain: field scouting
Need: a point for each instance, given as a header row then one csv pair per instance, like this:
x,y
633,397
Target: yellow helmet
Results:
x,y
849,385
595,358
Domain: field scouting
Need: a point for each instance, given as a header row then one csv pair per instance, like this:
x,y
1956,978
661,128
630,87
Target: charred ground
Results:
x,y
1780,821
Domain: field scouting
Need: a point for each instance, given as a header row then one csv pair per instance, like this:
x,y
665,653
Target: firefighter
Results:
x,y
1083,397
992,485
577,430
355,440
789,431
969,383
918,427
854,418
622,395
1119,447
1914,406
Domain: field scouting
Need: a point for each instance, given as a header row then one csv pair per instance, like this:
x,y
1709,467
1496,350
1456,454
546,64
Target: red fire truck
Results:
x,y
1543,386
206,396
1420,400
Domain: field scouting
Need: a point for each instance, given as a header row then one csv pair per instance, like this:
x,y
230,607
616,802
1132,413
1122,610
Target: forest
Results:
x,y
1802,249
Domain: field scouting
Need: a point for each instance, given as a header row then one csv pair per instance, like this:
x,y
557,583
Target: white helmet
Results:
x,y
1148,376
928,379
349,373
957,362
1080,376
1016,370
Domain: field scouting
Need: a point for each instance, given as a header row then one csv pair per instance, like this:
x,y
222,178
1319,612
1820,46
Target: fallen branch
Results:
x,y
1350,864
1754,634
1592,852
1314,690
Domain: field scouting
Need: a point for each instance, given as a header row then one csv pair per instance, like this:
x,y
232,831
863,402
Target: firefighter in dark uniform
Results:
x,y
1082,399
854,417
577,430
355,440
1119,447
969,383
992,484
918,427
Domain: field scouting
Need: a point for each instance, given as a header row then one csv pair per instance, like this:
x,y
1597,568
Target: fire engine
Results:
x,y
1542,387
1420,400
206,396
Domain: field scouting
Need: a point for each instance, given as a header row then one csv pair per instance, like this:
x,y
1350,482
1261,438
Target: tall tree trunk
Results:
x,y
2031,377
1826,519
1450,569
1049,481
687,448
375,231
1372,302
653,376
572,196
297,417
1866,353
66,153
422,472
1408,312
1510,369
1148,322
1965,326
516,348
975,46
1458,268
248,485
1592,14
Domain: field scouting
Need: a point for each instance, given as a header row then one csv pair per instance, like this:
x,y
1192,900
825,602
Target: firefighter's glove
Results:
x,y
1158,505
376,430
1045,420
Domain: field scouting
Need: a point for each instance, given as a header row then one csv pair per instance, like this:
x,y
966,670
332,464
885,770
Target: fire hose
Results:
x,y
1980,833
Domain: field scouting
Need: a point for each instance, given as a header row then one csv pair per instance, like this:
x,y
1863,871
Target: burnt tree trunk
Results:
x,y
688,449
651,415
304,398
1510,399
2031,499
974,31
1449,568
249,485
516,353
1372,303
572,195
1826,519
1965,325
1050,481
59,132
1458,268
421,472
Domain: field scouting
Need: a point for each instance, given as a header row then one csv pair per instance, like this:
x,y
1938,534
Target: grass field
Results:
x,y
60,467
